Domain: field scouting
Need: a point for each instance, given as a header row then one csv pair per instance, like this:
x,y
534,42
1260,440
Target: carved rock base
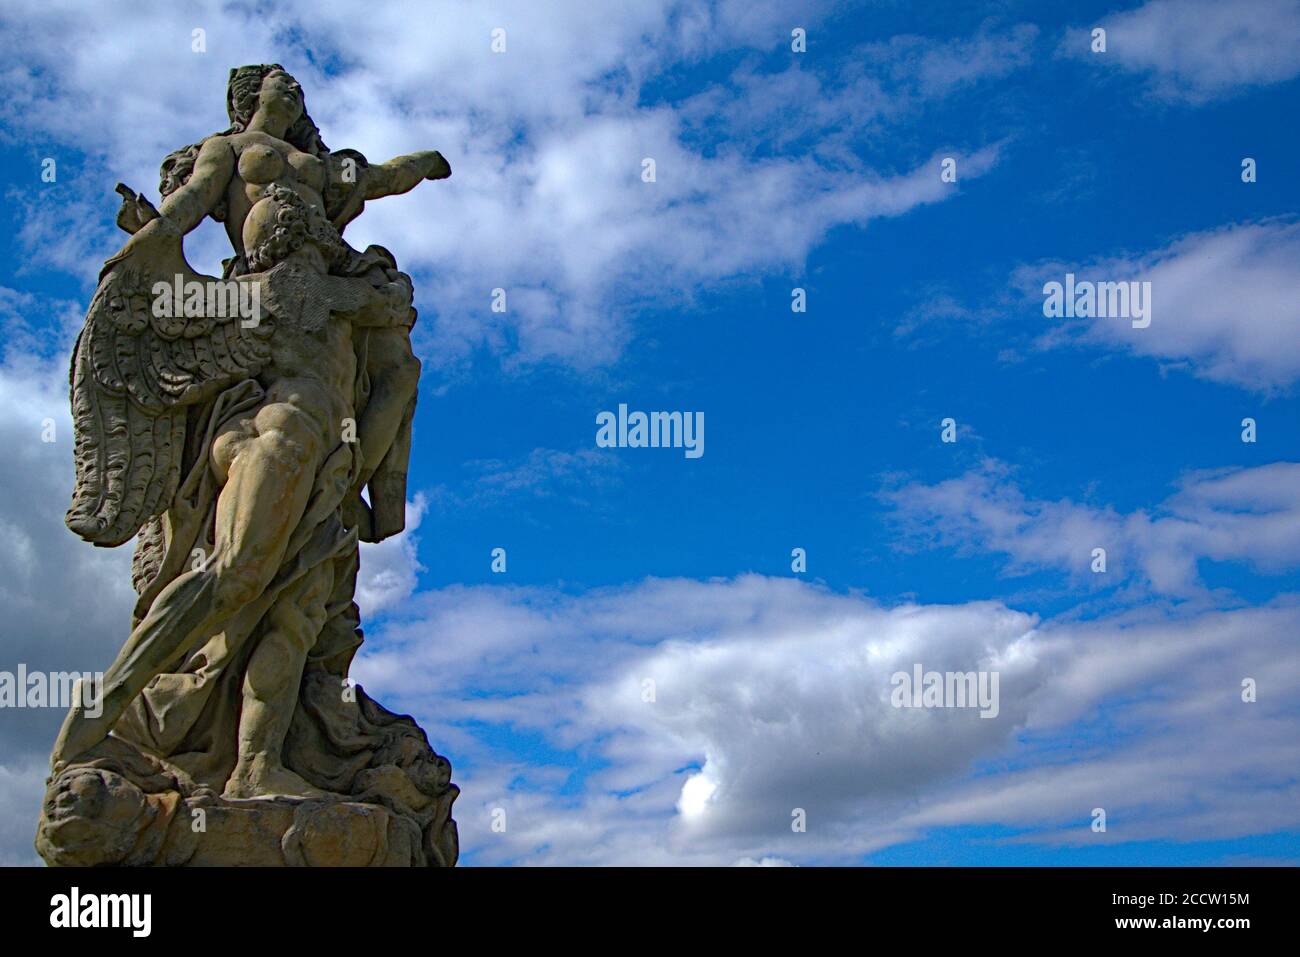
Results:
x,y
124,807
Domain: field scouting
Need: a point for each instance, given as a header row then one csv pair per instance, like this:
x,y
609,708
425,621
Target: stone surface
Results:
x,y
120,806
230,425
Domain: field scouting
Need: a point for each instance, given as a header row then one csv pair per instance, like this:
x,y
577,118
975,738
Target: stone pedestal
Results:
x,y
121,806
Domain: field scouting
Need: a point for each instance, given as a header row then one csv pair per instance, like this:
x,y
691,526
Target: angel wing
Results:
x,y
134,377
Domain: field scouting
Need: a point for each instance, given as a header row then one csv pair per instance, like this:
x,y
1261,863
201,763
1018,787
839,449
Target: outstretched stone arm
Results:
x,y
403,173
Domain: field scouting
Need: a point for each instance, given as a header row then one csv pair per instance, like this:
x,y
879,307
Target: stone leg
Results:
x,y
271,690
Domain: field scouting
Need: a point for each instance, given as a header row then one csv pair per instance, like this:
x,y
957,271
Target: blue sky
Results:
x,y
774,170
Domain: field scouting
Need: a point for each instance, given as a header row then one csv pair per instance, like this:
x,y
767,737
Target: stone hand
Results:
x,y
135,211
439,168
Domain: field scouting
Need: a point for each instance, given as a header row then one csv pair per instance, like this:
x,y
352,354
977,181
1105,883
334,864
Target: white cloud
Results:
x,y
1198,50
67,606
1195,761
818,111
1249,515
1225,303
771,694
546,142
939,68
390,570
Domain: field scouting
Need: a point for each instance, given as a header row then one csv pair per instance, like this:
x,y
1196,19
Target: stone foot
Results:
x,y
265,779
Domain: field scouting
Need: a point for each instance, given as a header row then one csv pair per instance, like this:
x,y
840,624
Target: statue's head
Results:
x,y
268,87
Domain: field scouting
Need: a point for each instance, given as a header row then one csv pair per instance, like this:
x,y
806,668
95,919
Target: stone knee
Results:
x,y
299,614
295,445
275,667
237,585
271,668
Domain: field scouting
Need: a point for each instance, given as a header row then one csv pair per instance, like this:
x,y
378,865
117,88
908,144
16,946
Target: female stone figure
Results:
x,y
237,448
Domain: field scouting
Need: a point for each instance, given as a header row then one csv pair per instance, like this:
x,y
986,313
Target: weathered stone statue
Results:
x,y
230,425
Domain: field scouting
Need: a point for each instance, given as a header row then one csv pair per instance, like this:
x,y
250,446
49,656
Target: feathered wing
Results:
x,y
134,375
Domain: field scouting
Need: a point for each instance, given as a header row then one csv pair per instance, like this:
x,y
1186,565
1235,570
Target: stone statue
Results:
x,y
231,425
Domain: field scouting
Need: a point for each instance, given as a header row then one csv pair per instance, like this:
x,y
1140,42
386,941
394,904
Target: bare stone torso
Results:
x,y
310,379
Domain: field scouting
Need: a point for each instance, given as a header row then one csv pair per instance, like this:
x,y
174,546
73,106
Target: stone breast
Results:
x,y
260,164
310,171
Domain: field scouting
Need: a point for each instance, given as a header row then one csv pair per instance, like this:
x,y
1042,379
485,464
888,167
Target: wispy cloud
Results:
x,y
770,695
1247,515
546,141
1198,50
1225,304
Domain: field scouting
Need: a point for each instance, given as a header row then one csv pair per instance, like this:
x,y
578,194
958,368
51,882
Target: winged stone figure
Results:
x,y
230,424
134,377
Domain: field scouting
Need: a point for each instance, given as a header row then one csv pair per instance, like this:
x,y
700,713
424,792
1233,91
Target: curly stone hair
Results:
x,y
294,226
